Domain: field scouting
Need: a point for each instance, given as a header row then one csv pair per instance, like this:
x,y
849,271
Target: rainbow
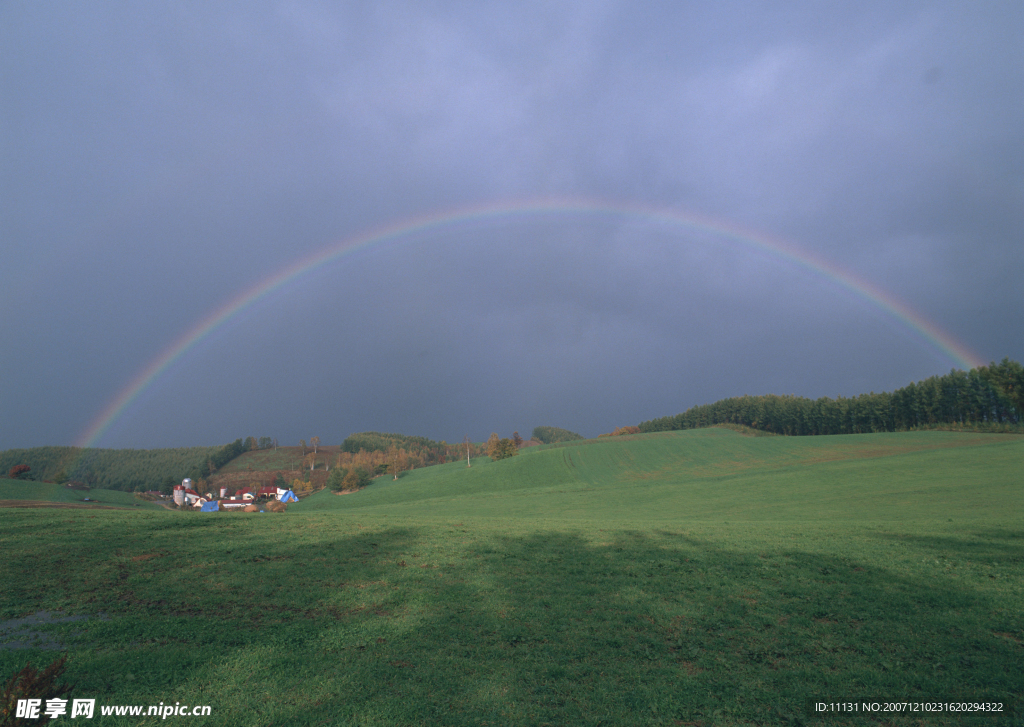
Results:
x,y
514,209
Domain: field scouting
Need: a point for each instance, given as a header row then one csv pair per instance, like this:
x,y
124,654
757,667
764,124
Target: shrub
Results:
x,y
356,478
619,431
31,683
334,480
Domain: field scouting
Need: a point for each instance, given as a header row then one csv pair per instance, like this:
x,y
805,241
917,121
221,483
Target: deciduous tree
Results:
x,y
500,448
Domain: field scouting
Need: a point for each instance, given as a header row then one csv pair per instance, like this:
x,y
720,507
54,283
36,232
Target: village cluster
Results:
x,y
245,498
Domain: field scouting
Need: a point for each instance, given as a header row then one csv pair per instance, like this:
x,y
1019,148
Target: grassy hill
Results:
x,y
716,474
683,578
32,492
261,467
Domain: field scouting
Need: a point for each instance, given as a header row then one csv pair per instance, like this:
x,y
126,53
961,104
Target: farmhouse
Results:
x,y
234,502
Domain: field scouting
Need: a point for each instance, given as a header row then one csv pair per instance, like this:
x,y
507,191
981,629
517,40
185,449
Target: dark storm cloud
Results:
x,y
156,164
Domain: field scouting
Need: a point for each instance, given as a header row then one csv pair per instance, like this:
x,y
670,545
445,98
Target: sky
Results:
x,y
297,219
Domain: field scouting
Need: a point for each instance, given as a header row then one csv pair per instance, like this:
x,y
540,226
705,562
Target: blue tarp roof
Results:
x,y
289,497
210,506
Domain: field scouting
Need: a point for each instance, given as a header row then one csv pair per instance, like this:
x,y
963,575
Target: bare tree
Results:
x,y
397,460
466,440
314,442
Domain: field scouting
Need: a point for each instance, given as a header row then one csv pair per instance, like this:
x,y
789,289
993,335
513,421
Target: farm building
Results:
x,y
184,494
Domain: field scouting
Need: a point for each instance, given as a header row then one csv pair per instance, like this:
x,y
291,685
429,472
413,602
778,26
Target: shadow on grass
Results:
x,y
989,544
315,621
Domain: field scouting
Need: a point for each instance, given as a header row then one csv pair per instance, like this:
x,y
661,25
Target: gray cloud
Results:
x,y
157,164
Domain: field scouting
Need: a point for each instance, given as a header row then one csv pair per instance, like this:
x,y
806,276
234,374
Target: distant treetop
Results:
x,y
986,398
382,441
550,435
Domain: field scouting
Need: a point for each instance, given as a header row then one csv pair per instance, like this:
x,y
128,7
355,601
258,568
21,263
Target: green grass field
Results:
x,y
683,578
18,490
715,474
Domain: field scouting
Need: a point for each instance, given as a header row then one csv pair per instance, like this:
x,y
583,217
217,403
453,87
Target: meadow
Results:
x,y
27,493
677,578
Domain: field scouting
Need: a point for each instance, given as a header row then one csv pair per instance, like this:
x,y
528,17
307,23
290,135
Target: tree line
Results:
x,y
353,471
421,451
989,398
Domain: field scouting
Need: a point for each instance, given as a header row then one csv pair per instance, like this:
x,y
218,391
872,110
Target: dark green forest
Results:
x,y
120,469
987,398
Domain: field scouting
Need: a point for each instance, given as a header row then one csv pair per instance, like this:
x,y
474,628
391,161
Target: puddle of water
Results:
x,y
23,633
